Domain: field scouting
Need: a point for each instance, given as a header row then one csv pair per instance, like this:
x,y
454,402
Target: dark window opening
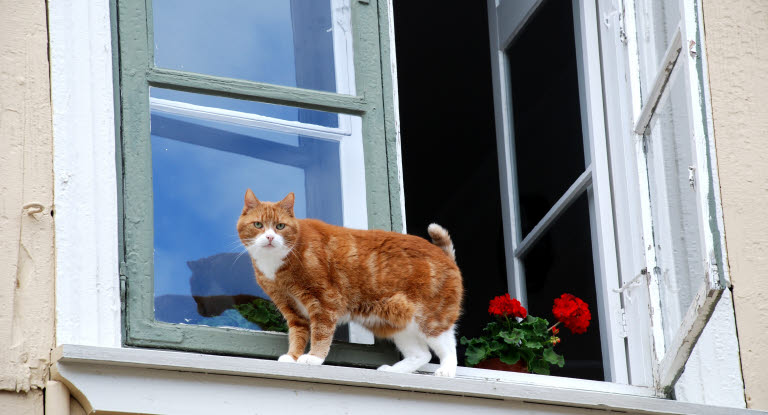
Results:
x,y
450,165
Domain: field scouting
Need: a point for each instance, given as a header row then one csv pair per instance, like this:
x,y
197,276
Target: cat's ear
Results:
x,y
250,200
287,203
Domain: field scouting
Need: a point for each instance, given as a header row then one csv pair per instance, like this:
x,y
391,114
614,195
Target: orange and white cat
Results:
x,y
398,286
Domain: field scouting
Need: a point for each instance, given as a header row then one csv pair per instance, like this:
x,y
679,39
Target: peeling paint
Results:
x,y
26,189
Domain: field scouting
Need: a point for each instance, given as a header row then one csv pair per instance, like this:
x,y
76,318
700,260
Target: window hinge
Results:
x,y
692,177
122,285
622,319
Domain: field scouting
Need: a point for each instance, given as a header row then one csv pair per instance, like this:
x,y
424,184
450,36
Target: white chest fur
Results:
x,y
268,260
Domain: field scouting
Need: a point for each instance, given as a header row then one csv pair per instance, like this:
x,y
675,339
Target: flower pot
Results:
x,y
496,364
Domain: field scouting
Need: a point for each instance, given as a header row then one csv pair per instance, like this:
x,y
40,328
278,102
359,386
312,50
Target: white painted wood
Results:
x,y
660,81
544,381
654,297
175,382
574,192
625,183
343,51
679,350
697,383
249,119
512,17
353,194
671,362
506,159
85,183
699,123
599,195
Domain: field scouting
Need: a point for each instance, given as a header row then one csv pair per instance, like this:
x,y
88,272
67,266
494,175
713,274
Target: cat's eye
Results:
x,y
280,226
258,225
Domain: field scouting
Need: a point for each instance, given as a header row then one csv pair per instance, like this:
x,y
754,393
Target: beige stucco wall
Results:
x,y
26,238
737,48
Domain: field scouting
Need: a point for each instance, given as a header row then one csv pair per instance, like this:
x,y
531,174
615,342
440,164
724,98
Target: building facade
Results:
x,y
81,331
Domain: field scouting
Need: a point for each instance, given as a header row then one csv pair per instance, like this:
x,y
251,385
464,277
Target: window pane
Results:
x,y
282,42
677,233
202,166
282,112
562,262
657,22
549,148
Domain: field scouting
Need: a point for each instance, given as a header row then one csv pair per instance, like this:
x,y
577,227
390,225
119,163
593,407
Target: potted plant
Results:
x,y
519,342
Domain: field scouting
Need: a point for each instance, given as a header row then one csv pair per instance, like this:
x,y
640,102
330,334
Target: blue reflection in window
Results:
x,y
201,170
278,42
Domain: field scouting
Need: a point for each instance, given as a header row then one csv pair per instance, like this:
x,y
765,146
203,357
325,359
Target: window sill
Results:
x,y
176,382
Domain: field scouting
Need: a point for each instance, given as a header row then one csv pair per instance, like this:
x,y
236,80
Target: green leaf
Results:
x,y
510,357
539,366
495,346
477,351
539,324
533,344
513,337
552,357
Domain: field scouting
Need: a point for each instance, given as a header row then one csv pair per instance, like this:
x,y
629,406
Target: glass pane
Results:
x,y
201,167
562,262
657,22
674,206
282,42
549,148
282,112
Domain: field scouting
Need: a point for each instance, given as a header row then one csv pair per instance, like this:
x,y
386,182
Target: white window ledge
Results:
x,y
122,380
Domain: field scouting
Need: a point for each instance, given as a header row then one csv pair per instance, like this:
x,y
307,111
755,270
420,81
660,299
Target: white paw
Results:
x,y
286,358
446,371
385,368
308,359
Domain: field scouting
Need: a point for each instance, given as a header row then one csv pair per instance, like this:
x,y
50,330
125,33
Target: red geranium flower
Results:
x,y
504,306
572,312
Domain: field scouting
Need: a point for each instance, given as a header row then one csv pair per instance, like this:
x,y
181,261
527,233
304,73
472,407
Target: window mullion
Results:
x,y
570,196
659,83
257,91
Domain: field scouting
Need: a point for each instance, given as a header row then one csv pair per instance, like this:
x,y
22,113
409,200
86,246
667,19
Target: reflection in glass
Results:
x,y
657,22
677,233
549,147
281,112
201,168
282,42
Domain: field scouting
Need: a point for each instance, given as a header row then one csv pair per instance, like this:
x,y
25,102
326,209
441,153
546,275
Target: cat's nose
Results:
x,y
270,238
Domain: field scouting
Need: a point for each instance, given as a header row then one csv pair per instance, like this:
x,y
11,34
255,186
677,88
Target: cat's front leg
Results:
x,y
298,327
322,327
298,337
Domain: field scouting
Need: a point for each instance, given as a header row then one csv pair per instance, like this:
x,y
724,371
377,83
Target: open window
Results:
x,y
217,98
552,151
556,169
686,263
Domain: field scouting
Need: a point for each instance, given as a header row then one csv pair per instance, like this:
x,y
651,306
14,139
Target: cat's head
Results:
x,y
268,228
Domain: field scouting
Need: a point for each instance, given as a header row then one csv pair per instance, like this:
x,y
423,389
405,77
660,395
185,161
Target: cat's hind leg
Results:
x,y
413,347
444,346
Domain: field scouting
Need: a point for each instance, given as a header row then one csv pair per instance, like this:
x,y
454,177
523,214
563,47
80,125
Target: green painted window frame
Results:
x,y
374,103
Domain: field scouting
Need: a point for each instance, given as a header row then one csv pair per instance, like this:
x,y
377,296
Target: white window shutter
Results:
x,y
682,214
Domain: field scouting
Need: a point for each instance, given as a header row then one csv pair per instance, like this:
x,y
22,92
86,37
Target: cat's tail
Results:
x,y
442,239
